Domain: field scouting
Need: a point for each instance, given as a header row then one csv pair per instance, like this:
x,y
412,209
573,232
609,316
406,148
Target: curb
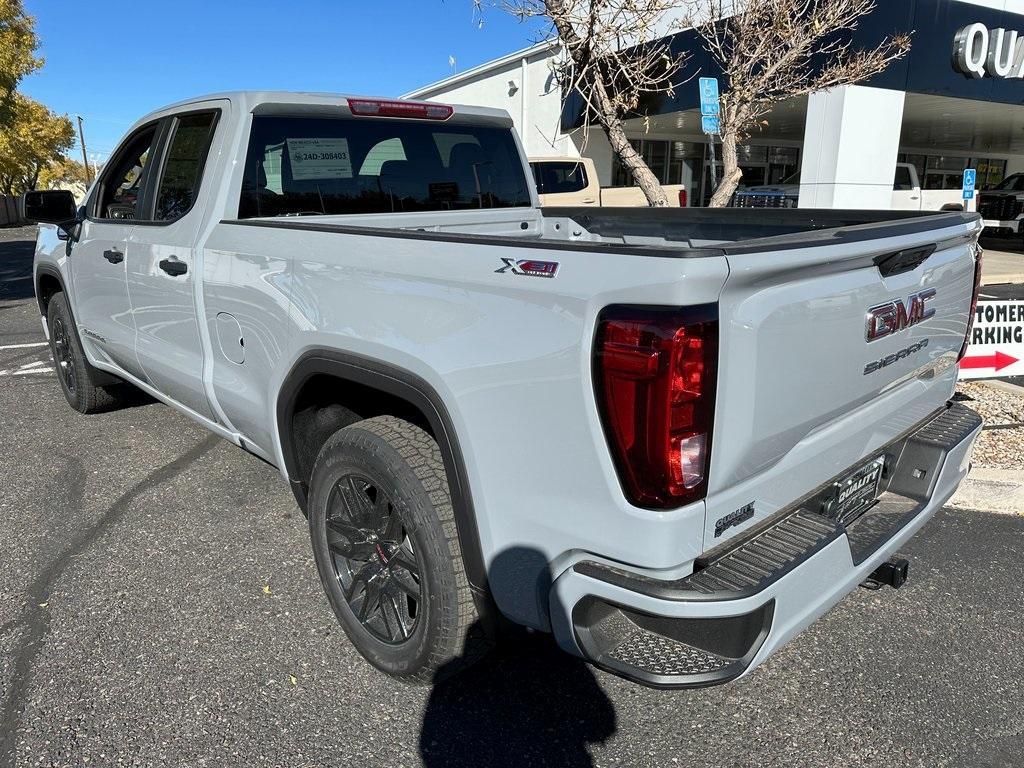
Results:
x,y
991,490
1002,386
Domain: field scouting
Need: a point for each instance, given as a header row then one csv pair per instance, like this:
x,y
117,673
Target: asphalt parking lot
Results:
x,y
159,606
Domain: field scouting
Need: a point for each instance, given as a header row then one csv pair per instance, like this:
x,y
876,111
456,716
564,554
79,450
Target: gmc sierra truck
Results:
x,y
671,437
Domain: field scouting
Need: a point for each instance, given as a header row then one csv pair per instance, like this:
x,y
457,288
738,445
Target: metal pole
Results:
x,y
714,170
85,157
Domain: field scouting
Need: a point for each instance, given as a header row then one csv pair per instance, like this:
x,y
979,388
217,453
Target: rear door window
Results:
x,y
313,165
556,178
903,181
183,167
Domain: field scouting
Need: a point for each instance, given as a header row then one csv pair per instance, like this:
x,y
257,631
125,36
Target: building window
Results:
x,y
947,172
686,163
990,171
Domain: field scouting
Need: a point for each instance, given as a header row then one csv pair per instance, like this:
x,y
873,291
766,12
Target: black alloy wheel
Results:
x,y
63,356
86,389
373,556
386,546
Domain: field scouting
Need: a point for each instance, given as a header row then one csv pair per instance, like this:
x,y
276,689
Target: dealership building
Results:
x,y
956,101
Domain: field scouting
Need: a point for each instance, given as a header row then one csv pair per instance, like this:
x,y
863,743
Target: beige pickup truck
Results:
x,y
573,181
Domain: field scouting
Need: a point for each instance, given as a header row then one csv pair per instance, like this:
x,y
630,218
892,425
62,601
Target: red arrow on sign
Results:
x,y
998,361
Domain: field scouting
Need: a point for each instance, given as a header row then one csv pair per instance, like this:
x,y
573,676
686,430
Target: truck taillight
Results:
x,y
424,110
978,253
655,372
682,198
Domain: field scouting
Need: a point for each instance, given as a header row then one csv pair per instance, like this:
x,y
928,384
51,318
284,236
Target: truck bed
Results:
x,y
673,232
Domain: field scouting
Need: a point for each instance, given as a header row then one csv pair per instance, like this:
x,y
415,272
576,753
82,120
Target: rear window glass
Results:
x,y
903,182
556,178
322,165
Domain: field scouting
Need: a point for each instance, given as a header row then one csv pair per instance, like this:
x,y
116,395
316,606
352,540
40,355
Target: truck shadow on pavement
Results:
x,y
526,703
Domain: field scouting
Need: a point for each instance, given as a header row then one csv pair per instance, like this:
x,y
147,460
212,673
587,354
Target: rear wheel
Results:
x,y
78,379
385,544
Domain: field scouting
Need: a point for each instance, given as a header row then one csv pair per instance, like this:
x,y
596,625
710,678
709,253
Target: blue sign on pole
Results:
x,y
970,177
710,125
709,106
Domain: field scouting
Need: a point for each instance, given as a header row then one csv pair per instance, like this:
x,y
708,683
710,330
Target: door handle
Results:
x,y
174,267
114,257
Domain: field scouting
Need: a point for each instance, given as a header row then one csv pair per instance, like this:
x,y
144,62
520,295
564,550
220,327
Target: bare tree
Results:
x,y
614,55
773,50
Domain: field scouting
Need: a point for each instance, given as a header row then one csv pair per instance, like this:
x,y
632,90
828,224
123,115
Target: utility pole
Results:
x,y
85,157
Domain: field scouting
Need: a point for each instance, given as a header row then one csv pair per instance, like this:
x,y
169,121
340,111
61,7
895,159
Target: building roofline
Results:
x,y
482,69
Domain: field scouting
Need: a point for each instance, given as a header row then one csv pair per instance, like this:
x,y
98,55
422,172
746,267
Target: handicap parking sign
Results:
x,y
711,125
709,102
970,177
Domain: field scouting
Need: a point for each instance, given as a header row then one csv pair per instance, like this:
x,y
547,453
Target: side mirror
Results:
x,y
55,206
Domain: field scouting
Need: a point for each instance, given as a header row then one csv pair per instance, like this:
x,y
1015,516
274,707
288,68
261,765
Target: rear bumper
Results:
x,y
750,596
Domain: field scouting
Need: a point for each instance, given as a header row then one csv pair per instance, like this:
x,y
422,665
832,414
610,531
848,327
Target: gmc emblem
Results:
x,y
887,319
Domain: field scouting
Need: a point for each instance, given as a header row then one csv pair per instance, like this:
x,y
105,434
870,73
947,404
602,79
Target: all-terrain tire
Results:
x,y
391,459
79,381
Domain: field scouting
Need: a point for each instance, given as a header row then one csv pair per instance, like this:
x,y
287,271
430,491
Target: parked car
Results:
x,y
672,438
1002,206
907,194
574,181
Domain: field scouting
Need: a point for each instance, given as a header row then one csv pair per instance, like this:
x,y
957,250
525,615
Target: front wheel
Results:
x,y
78,379
385,544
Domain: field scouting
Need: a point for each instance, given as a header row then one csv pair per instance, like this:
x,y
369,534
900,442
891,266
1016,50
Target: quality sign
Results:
x,y
982,52
997,341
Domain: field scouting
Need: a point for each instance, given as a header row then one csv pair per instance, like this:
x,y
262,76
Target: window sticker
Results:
x,y
319,159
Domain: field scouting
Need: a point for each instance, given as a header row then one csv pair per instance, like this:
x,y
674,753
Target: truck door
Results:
x,y
98,268
906,189
162,271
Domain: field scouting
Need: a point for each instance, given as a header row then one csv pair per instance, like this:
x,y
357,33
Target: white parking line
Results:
x,y
24,346
36,364
32,370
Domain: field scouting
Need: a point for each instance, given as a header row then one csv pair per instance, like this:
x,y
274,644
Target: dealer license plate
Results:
x,y
852,495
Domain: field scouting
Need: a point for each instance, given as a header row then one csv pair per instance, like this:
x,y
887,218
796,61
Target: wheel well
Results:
x,y
46,287
328,389
325,403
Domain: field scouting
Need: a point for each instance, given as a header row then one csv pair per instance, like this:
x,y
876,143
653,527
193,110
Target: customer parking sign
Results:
x,y
997,341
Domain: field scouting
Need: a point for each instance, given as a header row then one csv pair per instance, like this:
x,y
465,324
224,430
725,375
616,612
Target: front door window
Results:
x,y
121,186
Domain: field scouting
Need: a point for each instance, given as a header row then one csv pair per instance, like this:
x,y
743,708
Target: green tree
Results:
x,y
64,173
18,43
33,140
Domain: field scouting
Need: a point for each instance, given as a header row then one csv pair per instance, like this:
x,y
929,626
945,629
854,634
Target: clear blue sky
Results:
x,y
112,61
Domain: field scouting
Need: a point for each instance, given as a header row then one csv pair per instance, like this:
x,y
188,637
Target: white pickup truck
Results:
x,y
672,438
569,181
907,194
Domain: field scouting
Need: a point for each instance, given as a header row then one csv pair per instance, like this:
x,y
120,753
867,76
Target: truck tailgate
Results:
x,y
803,393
